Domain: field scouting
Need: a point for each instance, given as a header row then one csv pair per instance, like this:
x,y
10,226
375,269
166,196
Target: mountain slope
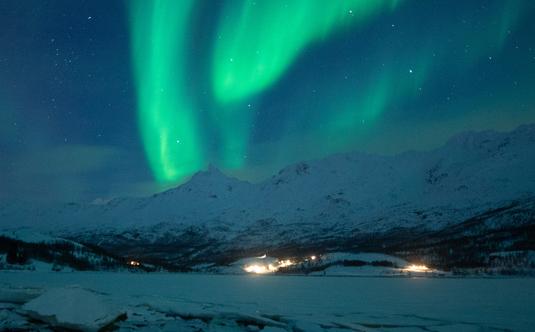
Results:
x,y
334,203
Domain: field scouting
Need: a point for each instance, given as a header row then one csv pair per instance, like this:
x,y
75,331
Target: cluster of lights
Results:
x,y
286,263
259,268
416,268
134,263
267,268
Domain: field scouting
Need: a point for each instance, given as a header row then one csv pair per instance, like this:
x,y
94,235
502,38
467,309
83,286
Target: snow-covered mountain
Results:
x,y
336,202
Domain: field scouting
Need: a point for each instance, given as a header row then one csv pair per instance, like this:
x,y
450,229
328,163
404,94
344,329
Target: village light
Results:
x,y
269,268
260,269
285,263
255,269
134,263
416,268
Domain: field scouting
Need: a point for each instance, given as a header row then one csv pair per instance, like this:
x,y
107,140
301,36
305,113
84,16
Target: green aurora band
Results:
x,y
255,44
167,122
258,40
356,108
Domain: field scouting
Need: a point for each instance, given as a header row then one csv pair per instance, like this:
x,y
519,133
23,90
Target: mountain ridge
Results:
x,y
345,199
367,179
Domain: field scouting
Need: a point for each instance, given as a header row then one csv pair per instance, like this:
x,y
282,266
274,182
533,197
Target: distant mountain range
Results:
x,y
453,207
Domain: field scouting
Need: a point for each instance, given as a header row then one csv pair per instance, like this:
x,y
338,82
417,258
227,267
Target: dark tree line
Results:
x,y
59,253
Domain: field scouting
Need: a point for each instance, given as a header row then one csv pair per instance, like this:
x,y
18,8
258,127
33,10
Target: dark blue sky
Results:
x,y
407,78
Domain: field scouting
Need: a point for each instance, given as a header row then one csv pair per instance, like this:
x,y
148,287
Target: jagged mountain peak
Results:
x,y
290,172
211,172
210,182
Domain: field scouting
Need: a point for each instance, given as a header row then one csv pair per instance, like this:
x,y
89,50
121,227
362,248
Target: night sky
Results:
x,y
107,98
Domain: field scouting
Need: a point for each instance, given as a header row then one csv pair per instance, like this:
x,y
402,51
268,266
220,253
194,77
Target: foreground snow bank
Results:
x,y
73,308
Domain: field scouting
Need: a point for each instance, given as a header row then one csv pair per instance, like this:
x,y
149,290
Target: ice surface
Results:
x,y
73,308
195,302
18,295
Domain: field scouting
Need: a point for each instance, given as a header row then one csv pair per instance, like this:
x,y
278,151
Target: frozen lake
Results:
x,y
276,303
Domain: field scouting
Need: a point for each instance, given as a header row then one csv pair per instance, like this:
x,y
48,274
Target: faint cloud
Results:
x,y
67,160
65,173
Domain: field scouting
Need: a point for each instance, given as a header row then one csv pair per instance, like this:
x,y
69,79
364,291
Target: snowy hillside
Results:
x,y
24,249
333,203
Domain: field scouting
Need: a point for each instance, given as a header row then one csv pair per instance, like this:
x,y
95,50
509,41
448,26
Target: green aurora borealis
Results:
x,y
113,98
258,40
139,95
167,121
254,45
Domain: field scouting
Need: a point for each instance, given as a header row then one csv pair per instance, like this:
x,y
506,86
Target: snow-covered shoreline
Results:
x,y
189,302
